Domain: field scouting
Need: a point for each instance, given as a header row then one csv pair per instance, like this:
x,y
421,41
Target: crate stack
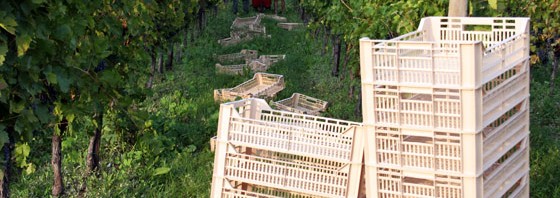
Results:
x,y
446,109
262,152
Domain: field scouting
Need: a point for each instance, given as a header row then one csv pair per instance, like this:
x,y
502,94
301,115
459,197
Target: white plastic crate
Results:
x,y
232,40
448,100
295,155
244,56
271,59
231,69
299,103
248,27
247,22
261,85
254,64
395,182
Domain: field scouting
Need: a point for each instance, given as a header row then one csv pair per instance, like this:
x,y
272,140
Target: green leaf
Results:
x,y
30,168
63,32
51,77
63,83
70,117
8,23
16,107
21,152
23,43
28,114
161,170
110,77
42,113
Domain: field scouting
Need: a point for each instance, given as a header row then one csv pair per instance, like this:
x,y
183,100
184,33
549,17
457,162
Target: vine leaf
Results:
x,y
42,112
21,151
8,23
51,77
23,43
63,32
63,83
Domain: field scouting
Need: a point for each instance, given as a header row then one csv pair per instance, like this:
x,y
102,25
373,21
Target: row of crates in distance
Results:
x,y
445,114
446,109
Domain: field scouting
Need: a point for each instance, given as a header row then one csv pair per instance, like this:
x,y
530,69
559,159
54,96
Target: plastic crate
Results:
x,y
396,182
261,85
290,26
252,31
260,192
232,41
255,65
247,22
276,18
286,154
448,103
231,69
248,27
244,56
299,103
213,143
271,59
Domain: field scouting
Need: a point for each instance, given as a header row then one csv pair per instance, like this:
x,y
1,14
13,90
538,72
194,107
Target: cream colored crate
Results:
x,y
487,154
231,69
264,62
252,31
290,26
288,152
247,22
299,103
453,110
390,182
261,85
261,192
244,56
213,143
447,152
255,65
276,18
247,27
238,36
232,41
444,53
271,59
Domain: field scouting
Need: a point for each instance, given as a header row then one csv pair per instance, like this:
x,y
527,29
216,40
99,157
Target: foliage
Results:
x,y
155,141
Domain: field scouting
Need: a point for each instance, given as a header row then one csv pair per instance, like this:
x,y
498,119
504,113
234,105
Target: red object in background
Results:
x,y
261,3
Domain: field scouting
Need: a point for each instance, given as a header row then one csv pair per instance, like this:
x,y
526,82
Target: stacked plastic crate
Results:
x,y
262,152
446,109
